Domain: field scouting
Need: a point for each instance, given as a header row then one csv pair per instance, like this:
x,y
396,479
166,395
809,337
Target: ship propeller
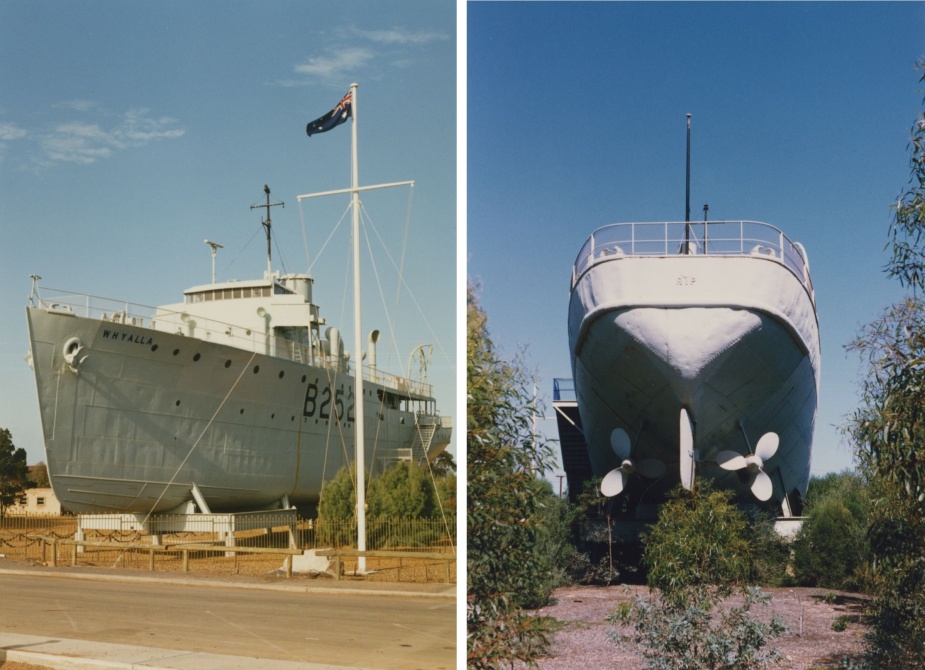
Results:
x,y
754,463
615,480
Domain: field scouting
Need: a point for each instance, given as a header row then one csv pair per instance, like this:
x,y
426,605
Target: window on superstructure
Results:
x,y
298,334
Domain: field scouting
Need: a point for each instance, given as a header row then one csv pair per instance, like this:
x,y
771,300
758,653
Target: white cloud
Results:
x,y
75,142
137,129
400,36
338,64
10,131
78,105
86,141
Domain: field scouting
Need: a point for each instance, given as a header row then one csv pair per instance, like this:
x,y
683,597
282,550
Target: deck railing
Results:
x,y
119,313
563,389
712,238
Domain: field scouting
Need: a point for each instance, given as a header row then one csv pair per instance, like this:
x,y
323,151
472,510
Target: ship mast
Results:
x,y
359,432
267,226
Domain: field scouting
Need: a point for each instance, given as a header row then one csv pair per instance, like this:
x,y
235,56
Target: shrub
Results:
x,y
698,554
831,549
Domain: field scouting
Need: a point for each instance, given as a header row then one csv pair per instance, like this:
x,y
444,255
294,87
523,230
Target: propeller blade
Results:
x,y
620,443
651,468
613,483
767,446
730,460
762,486
687,450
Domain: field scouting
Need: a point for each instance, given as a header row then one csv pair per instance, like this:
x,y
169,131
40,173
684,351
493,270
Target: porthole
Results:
x,y
153,347
304,378
178,403
273,416
242,410
292,418
228,363
256,369
197,357
281,374
176,351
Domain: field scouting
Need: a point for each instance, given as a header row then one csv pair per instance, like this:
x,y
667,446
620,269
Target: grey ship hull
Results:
x,y
140,416
730,338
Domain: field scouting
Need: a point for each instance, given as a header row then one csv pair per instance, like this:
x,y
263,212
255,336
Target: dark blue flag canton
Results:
x,y
332,119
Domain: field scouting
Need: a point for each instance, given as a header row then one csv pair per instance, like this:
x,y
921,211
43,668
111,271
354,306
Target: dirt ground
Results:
x,y
808,614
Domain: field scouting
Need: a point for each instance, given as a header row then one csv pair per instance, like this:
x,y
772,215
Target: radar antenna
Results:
x,y
267,225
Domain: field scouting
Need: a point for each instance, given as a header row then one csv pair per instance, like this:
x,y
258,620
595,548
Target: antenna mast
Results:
x,y
267,225
687,205
214,245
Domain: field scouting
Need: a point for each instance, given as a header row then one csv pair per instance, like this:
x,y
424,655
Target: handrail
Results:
x,y
563,389
711,238
120,312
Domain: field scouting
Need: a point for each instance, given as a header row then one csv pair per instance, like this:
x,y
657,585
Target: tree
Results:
x,y
13,471
888,432
339,497
38,476
446,494
907,255
503,458
698,554
404,491
443,465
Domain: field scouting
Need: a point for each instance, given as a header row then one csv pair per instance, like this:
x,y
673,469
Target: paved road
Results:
x,y
342,629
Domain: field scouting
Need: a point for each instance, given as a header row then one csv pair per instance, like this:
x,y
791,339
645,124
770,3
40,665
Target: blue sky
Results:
x,y
130,132
576,119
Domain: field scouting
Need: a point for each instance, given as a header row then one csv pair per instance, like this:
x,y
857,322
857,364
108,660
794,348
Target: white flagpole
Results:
x,y
358,347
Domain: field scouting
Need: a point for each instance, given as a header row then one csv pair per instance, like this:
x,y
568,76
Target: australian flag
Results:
x,y
332,119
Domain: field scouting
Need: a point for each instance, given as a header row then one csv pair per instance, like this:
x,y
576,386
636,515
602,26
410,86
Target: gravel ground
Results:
x,y
583,642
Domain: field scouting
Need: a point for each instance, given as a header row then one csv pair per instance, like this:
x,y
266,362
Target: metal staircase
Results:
x,y
422,437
